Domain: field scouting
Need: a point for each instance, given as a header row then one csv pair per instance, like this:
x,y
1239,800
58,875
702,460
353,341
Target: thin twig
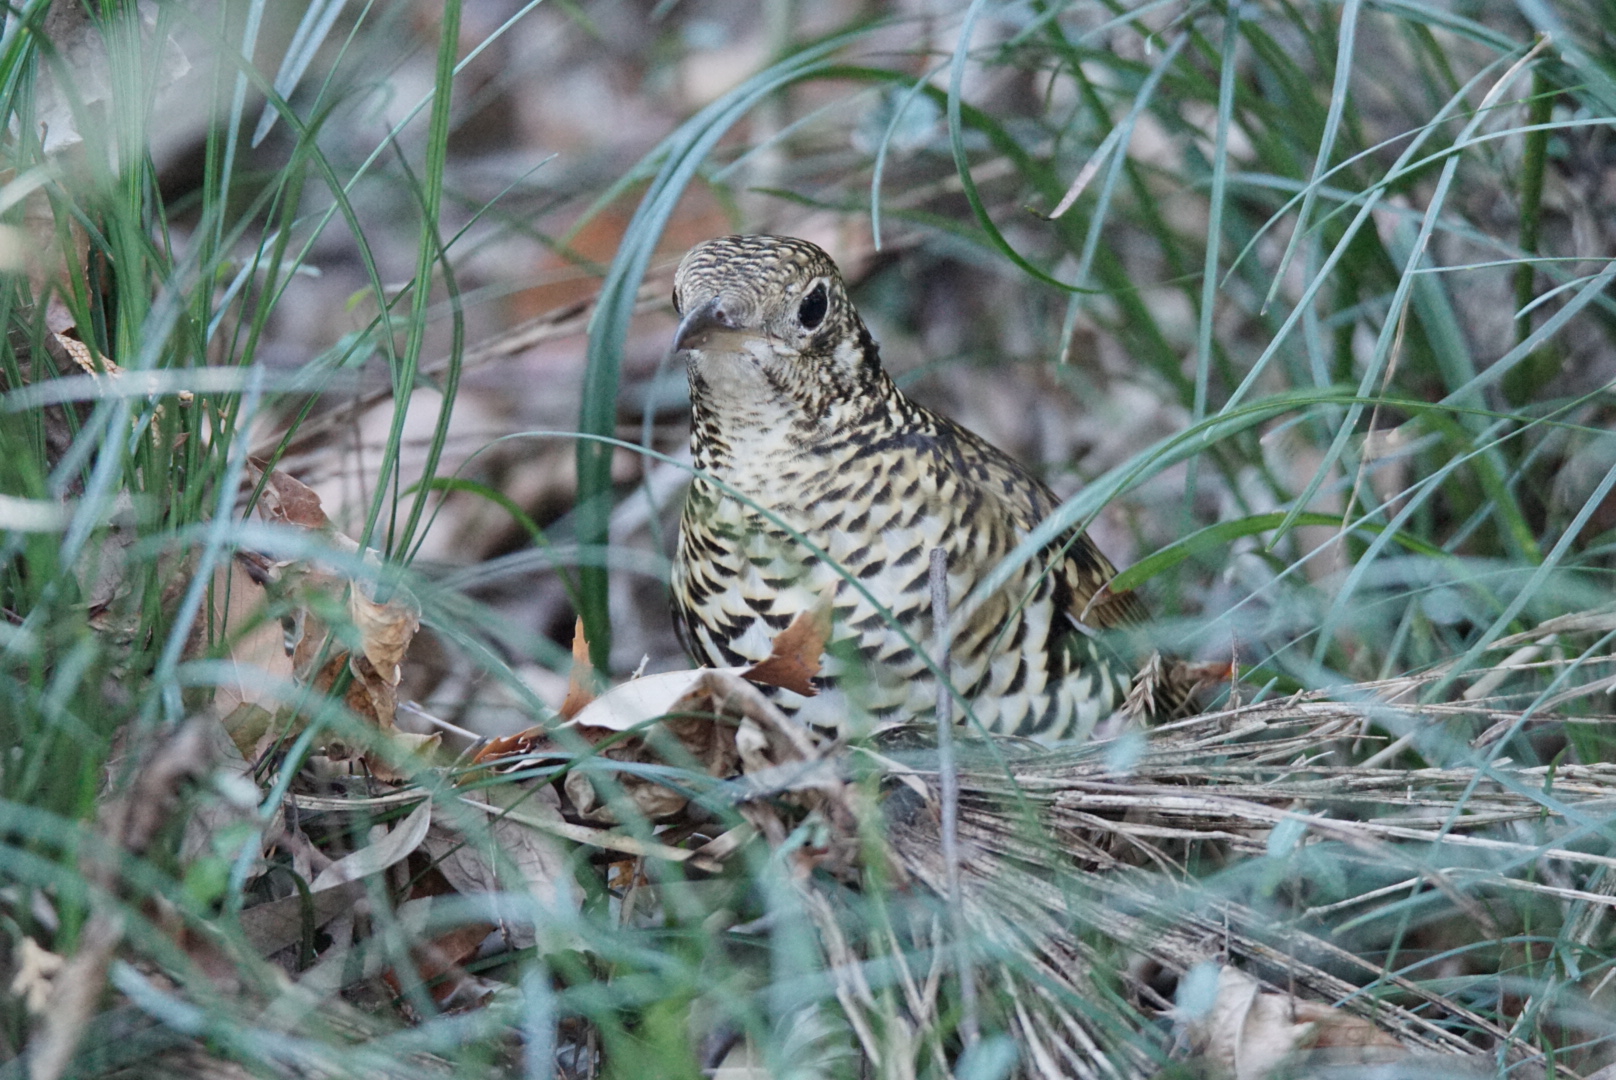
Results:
x,y
948,777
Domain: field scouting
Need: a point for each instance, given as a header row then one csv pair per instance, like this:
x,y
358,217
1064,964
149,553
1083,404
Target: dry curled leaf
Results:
x,y
796,653
278,659
581,680
386,628
288,500
1250,1032
509,746
36,967
506,855
391,847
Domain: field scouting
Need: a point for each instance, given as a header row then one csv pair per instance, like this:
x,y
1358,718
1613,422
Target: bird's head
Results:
x,y
766,327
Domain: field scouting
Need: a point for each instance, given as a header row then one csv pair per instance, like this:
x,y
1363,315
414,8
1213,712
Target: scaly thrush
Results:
x,y
797,429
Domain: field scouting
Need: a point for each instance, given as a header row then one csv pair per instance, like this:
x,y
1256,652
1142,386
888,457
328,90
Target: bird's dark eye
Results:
x,y
675,298
814,306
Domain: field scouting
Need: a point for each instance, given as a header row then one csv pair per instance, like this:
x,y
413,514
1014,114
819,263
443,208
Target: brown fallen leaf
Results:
x,y
796,655
582,679
304,648
504,746
1250,1032
438,963
36,967
386,629
271,926
505,855
289,501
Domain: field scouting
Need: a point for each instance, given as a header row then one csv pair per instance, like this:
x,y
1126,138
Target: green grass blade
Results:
x,y
684,151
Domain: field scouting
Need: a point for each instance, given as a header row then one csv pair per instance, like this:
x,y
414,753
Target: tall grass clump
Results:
x,y
1311,304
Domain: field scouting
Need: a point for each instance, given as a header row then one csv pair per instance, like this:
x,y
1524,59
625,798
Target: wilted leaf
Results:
x,y
509,856
36,967
385,629
394,847
631,704
303,649
270,927
526,741
370,696
289,501
1250,1032
581,679
796,653
437,964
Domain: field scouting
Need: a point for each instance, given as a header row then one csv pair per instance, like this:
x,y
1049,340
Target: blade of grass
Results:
x,y
1226,532
1347,43
1382,355
307,39
683,153
1214,237
1534,160
428,253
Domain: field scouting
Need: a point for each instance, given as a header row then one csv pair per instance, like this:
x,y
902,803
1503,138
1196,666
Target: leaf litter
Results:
x,y
1072,858
694,768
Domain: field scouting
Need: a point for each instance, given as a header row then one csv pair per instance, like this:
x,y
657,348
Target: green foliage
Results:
x,y
1355,253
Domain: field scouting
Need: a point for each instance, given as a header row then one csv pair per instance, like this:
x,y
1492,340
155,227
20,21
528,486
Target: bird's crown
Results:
x,y
779,286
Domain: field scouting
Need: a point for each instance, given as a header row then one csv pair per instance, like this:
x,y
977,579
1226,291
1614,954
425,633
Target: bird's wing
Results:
x,y
1084,571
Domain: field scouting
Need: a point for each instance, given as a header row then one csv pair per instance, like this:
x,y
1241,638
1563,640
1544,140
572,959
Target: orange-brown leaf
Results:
x,y
293,502
581,681
795,657
385,630
522,742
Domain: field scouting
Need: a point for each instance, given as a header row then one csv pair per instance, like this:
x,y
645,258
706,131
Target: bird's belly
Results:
x,y
754,576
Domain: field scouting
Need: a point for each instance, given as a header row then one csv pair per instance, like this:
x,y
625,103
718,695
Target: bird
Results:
x,y
818,483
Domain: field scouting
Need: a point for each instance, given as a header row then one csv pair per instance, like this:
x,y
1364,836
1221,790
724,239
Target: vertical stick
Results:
x,y
1534,159
948,781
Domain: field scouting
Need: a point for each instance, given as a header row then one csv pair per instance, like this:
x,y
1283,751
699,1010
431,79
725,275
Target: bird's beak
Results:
x,y
700,326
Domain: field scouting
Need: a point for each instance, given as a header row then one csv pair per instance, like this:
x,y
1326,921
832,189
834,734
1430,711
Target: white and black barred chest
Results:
x,y
853,520
821,483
